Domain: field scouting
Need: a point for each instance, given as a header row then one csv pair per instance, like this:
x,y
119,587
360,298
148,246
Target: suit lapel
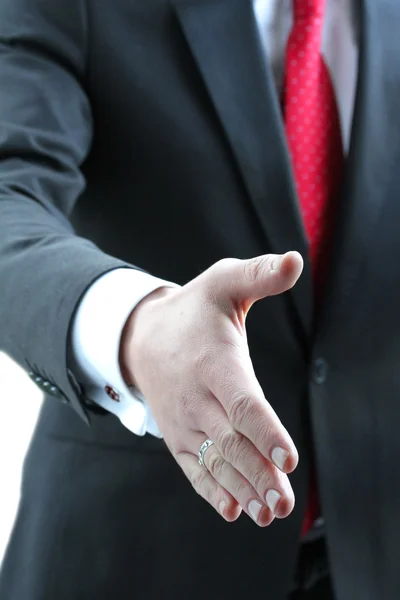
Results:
x,y
223,39
374,150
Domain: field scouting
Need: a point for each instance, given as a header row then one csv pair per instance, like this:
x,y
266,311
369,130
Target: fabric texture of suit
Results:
x,y
162,117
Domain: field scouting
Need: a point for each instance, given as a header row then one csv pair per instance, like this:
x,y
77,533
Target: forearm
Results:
x,y
44,271
44,267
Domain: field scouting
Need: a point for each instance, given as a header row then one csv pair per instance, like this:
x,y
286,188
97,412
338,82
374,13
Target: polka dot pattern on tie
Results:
x,y
312,122
315,145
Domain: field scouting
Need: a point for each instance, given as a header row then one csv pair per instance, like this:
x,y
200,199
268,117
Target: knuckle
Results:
x,y
240,408
225,264
204,362
241,490
231,444
261,481
266,434
215,464
255,268
197,478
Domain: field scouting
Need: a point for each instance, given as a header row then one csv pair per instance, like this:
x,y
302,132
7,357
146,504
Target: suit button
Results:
x,y
55,392
320,371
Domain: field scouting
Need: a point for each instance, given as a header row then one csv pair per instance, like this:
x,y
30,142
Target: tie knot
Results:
x,y
305,9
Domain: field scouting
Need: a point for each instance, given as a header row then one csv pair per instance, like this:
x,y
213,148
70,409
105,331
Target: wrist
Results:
x,y
134,331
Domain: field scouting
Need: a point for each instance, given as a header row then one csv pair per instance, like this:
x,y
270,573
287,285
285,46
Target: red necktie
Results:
x,y
315,145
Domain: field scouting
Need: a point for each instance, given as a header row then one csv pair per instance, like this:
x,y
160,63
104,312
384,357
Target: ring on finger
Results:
x,y
203,448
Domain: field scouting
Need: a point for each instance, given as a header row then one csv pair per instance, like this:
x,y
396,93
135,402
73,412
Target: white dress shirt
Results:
x,y
107,304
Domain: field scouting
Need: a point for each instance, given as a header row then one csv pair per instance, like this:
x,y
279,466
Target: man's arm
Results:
x,y
185,349
95,345
45,135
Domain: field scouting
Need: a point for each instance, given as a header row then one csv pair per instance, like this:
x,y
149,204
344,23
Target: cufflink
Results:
x,y
112,393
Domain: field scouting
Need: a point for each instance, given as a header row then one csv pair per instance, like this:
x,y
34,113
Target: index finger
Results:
x,y
237,389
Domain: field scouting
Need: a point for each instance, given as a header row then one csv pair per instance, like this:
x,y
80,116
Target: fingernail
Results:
x,y
276,263
255,509
221,507
272,498
279,457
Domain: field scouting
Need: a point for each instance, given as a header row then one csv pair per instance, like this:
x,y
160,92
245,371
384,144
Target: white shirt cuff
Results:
x,y
95,341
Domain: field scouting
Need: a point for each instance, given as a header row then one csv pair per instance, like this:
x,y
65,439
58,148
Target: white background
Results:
x,y
20,402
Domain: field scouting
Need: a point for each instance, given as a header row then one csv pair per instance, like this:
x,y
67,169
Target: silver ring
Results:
x,y
204,447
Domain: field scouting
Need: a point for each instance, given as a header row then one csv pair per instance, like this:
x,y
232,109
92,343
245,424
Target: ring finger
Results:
x,y
234,483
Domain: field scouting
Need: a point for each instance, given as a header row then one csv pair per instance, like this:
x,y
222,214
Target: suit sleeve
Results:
x,y
45,136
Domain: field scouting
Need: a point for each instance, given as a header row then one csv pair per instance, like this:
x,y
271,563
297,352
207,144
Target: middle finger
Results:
x,y
237,486
271,485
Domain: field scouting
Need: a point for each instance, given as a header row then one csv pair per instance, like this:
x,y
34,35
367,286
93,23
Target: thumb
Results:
x,y
246,281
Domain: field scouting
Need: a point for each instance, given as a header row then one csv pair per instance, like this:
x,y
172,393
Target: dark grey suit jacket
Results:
x,y
149,133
